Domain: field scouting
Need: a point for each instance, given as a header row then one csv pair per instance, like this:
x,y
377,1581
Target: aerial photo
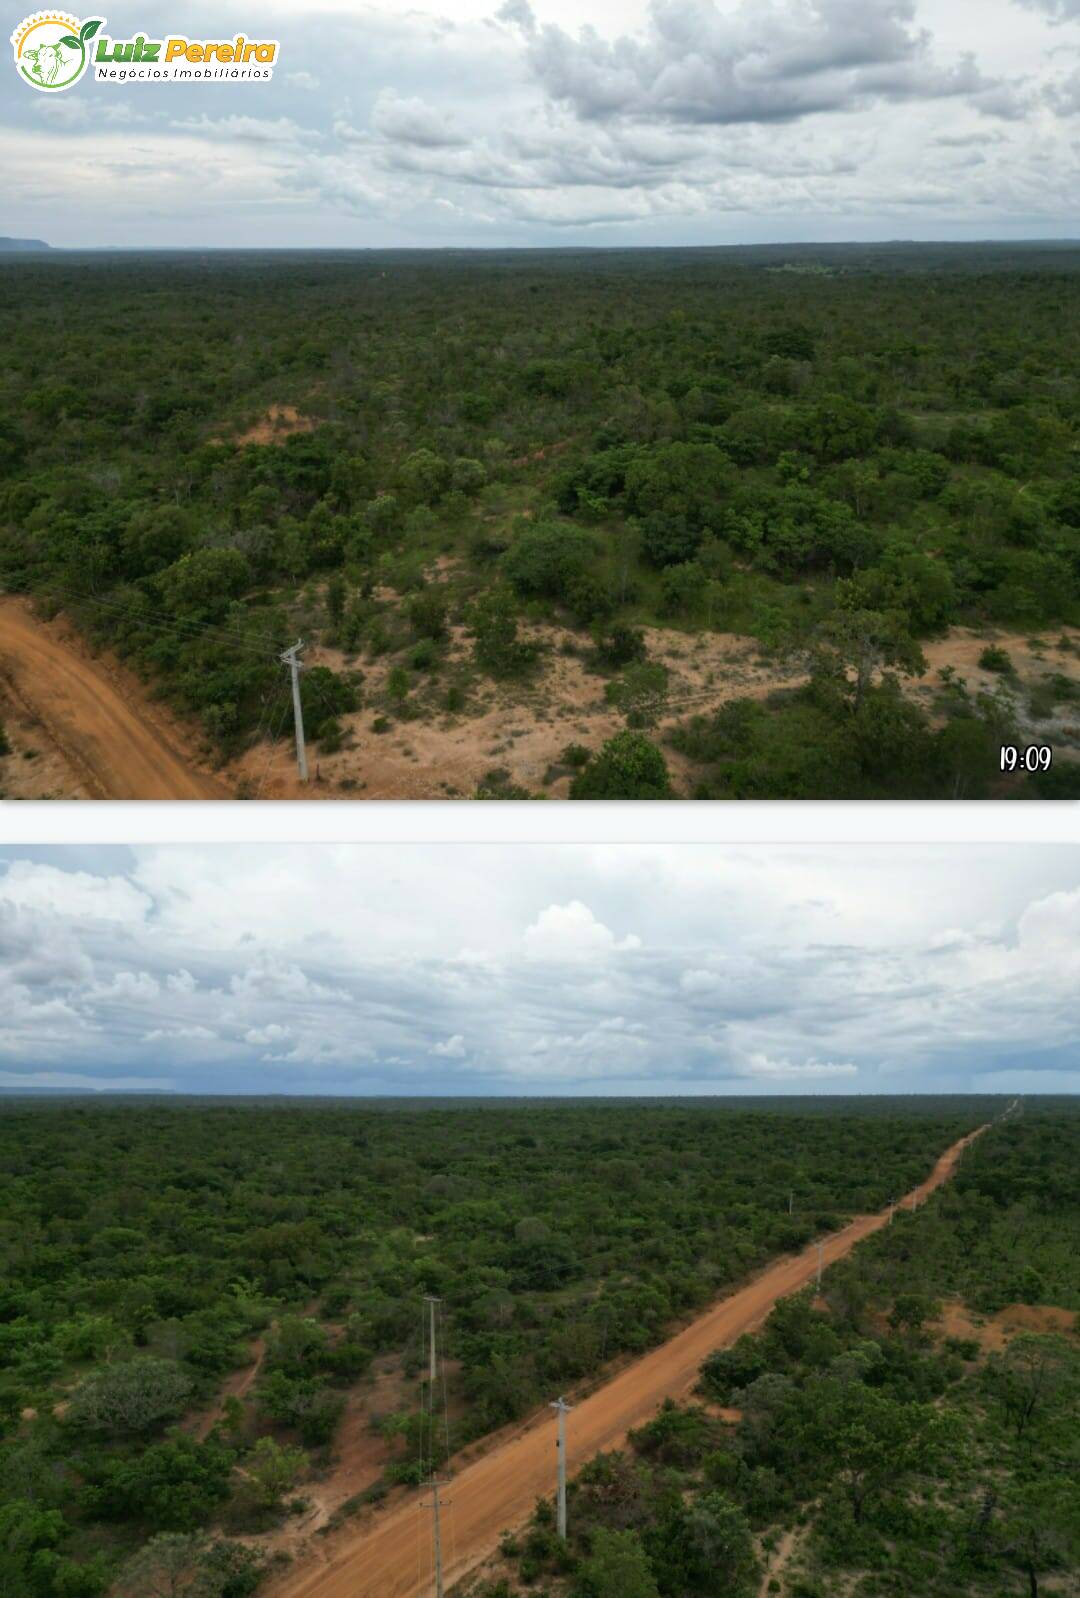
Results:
x,y
641,1222
650,399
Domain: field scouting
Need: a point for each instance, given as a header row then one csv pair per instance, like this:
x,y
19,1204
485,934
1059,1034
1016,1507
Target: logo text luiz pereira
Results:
x,y
53,50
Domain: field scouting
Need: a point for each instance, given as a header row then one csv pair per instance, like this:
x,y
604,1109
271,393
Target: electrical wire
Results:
x,y
446,1401
186,631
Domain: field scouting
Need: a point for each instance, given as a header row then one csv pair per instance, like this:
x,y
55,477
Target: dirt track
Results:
x,y
238,1385
110,741
497,1492
116,749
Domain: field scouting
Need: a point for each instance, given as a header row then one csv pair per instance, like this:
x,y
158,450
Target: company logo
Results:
x,y
52,49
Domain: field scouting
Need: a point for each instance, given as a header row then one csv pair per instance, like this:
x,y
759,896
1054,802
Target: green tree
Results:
x,y
640,693
860,643
617,1567
875,1442
131,1396
179,1565
546,557
202,583
425,476
496,644
719,1545
1040,1528
274,1469
628,766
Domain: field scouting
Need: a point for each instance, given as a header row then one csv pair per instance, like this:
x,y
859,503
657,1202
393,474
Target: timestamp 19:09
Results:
x,y
1036,757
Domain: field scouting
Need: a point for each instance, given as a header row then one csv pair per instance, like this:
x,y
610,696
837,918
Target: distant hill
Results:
x,y
24,244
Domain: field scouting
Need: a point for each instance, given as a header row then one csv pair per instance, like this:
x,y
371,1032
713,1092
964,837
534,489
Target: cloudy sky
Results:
x,y
524,122
541,969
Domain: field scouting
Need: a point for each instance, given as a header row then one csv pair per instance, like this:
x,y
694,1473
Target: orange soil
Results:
x,y
96,715
100,736
524,728
390,1558
277,424
778,1562
995,1333
35,767
961,649
238,1385
360,1457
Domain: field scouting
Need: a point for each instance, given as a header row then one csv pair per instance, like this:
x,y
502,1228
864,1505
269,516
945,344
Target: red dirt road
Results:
x,y
117,748
238,1385
497,1492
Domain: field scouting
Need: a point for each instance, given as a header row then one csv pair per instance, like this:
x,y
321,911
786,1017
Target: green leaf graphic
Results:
x,y
70,39
88,29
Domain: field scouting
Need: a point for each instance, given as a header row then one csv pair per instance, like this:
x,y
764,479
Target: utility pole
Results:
x,y
562,1409
791,1203
820,1254
432,1363
290,658
436,1505
892,1209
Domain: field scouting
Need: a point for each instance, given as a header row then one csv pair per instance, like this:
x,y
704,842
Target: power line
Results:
x,y
157,618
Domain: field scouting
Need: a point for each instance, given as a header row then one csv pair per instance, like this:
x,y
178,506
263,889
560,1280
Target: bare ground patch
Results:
x,y
238,1385
993,1333
275,426
1035,660
522,729
36,767
360,1455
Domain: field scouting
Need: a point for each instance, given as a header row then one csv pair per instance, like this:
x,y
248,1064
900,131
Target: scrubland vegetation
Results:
x,y
913,1431
452,472
146,1246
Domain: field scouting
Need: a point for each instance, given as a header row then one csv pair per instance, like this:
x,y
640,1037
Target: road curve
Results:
x,y
495,1493
118,750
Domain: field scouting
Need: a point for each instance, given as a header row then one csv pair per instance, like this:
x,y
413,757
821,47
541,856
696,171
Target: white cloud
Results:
x,y
763,970
694,982
451,1048
73,894
197,1034
267,1036
675,121
137,986
762,62
79,1083
760,1066
254,130
410,120
568,932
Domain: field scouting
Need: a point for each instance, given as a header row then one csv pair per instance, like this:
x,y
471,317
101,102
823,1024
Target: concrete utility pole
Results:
x,y
436,1505
290,659
892,1209
820,1256
432,1364
791,1203
562,1409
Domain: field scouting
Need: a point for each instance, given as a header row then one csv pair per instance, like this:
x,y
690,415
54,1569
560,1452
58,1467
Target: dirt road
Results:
x,y
238,1385
497,1492
116,747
